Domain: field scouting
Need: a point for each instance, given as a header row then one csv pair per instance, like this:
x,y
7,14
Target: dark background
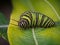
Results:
x,y
6,7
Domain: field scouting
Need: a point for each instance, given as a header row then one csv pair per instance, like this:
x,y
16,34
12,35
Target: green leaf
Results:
x,y
3,21
34,36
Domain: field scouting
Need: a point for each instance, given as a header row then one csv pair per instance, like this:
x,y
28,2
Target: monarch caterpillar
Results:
x,y
31,19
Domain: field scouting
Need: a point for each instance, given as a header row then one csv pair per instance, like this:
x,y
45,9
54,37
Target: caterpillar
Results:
x,y
31,19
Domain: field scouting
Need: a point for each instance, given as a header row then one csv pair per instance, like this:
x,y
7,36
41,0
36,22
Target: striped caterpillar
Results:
x,y
32,19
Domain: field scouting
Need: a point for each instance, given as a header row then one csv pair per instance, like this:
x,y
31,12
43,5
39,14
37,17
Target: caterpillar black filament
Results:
x,y
31,19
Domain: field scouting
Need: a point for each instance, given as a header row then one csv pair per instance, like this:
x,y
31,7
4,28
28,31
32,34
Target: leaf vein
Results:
x,y
52,8
34,36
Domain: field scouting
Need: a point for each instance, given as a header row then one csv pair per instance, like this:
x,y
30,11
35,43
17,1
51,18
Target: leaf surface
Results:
x,y
43,36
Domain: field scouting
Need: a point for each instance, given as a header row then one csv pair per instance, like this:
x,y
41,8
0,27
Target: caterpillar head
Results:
x,y
23,23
